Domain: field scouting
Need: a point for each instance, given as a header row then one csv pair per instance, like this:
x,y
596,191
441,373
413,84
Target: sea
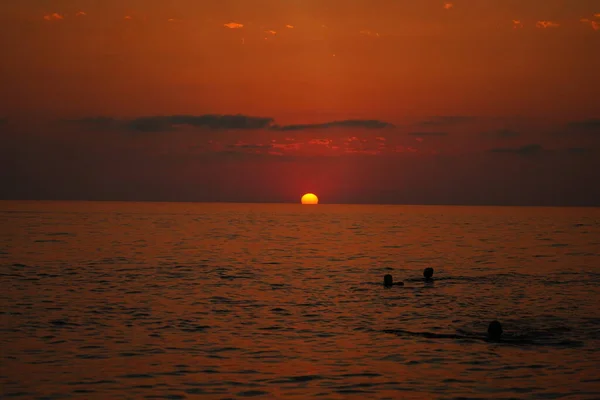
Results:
x,y
126,300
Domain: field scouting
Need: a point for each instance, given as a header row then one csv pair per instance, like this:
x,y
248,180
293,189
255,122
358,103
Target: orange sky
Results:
x,y
433,77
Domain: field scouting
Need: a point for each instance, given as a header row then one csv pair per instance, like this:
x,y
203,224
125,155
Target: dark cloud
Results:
x,y
532,149
501,134
171,122
447,120
588,125
523,150
96,167
428,134
348,123
217,122
214,122
580,150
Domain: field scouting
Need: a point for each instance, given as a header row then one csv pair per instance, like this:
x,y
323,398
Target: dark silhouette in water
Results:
x,y
494,335
495,330
428,274
388,281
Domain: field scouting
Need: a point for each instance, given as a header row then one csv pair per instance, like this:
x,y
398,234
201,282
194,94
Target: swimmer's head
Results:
x,y
388,280
495,330
428,273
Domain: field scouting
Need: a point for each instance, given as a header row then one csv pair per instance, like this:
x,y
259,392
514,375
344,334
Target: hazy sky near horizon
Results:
x,y
379,101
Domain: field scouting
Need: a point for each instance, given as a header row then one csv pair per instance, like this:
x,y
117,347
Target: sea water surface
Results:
x,y
224,301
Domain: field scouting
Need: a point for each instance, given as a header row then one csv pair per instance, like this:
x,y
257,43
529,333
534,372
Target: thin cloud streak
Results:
x,y
350,123
367,32
546,24
216,122
233,25
54,17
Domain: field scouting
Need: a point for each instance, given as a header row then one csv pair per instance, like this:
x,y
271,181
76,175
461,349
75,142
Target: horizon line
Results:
x,y
295,203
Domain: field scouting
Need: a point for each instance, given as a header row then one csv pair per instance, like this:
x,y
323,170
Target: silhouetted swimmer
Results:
x,y
428,274
388,281
495,334
495,330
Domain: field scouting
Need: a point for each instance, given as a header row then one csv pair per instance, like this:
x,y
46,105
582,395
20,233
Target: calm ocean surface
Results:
x,y
222,301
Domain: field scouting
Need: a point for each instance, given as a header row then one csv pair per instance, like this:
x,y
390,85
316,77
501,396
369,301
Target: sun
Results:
x,y
309,198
